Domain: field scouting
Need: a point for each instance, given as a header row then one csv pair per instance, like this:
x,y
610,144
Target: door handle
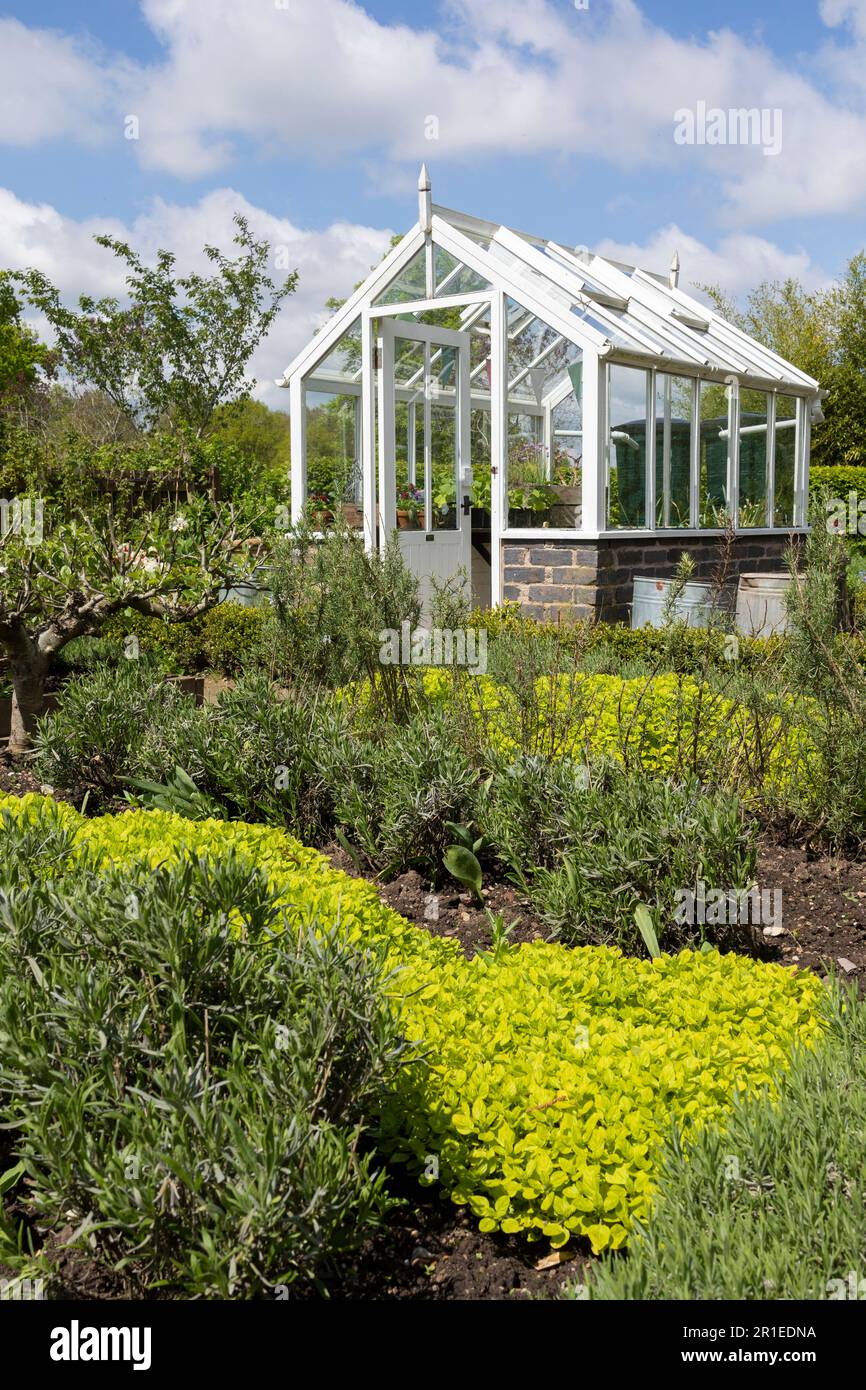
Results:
x,y
467,504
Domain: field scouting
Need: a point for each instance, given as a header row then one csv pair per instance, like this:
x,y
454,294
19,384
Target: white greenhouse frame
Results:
x,y
615,314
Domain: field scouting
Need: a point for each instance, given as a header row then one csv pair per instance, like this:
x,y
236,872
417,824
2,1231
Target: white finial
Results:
x,y
425,201
675,270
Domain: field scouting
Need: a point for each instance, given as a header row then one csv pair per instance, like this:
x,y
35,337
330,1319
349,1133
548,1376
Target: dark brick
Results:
x,y
524,574
551,555
573,574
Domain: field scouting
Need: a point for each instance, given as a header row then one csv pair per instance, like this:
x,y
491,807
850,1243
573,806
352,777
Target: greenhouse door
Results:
x,y
425,473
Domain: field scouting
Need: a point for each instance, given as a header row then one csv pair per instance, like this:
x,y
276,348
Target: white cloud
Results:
x,y
330,261
53,87
325,80
737,264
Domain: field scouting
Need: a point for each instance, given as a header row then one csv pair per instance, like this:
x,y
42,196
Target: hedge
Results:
x,y
838,479
226,640
552,1076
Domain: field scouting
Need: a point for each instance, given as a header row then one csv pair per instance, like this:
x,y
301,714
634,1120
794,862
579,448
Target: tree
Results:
x,y
21,353
823,332
141,531
181,347
56,588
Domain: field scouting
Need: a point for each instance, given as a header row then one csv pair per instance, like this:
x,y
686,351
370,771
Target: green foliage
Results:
x,y
194,1098
824,660
398,792
94,736
332,600
261,757
550,1077
181,346
463,865
21,353
180,795
630,841
772,1207
227,640
838,479
824,333
646,927
232,638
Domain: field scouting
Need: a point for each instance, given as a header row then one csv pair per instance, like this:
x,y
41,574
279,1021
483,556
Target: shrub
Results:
x,y
176,647
232,638
551,1076
525,810
628,840
200,1080
837,480
331,600
422,780
824,661
226,640
95,734
774,1206
612,648
261,755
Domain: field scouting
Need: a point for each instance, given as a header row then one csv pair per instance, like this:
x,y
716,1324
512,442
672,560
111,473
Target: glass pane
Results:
x,y
453,277
443,451
627,450
673,458
713,484
786,460
409,363
481,459
543,475
409,285
333,465
528,493
343,362
753,458
567,444
410,380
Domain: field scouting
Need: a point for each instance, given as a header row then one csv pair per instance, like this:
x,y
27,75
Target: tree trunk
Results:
x,y
28,696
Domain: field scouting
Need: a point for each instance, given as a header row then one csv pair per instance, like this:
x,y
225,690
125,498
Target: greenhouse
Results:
x,y
545,421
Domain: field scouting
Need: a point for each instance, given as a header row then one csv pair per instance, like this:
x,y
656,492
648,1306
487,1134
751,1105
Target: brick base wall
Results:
x,y
593,579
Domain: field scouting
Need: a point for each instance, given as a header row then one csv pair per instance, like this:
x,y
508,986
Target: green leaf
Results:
x,y
462,865
10,1178
645,926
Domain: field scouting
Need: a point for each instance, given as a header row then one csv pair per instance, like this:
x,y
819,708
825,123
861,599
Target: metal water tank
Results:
x,y
761,610
693,606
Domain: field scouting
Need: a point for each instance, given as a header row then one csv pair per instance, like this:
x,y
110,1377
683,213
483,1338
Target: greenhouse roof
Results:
x,y
616,309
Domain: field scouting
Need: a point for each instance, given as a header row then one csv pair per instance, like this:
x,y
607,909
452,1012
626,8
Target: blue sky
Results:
x,y
312,116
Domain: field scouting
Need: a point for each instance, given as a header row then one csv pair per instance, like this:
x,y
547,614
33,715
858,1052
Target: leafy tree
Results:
x,y
21,353
132,521
181,346
57,587
823,332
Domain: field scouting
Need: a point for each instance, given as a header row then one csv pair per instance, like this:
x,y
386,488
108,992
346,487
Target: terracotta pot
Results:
x,y
407,521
